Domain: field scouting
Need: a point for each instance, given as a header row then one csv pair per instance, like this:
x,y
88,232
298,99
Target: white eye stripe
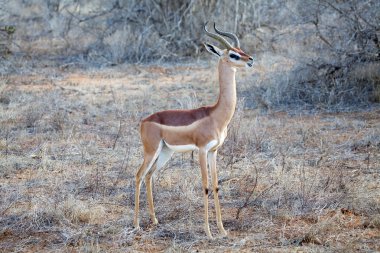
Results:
x,y
233,52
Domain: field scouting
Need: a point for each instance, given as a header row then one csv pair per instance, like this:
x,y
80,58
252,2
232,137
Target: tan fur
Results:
x,y
205,128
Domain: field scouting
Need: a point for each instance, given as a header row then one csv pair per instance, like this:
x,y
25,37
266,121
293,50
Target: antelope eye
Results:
x,y
234,56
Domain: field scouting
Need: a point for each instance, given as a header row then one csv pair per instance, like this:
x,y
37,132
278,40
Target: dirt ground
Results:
x,y
290,181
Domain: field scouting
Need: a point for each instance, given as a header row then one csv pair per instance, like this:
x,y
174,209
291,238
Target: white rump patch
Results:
x,y
164,157
158,151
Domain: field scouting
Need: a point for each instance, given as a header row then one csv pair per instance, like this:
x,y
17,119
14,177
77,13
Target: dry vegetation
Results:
x,y
70,149
331,49
299,171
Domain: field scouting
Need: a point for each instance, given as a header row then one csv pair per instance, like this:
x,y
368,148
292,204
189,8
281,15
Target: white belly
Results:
x,y
182,148
191,147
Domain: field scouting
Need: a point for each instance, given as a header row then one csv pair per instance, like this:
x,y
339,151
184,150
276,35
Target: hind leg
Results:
x,y
162,159
149,160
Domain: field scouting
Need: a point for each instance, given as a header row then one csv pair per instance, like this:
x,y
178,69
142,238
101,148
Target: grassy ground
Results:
x,y
69,150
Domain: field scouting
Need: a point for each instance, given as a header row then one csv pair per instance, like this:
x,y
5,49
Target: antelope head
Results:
x,y
231,54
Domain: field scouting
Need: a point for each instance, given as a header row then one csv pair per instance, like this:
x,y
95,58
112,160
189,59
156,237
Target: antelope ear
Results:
x,y
213,49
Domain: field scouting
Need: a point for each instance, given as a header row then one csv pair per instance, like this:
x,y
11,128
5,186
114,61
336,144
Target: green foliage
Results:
x,y
8,29
6,33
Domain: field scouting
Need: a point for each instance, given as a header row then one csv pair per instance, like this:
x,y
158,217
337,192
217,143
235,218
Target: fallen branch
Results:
x,y
251,193
248,197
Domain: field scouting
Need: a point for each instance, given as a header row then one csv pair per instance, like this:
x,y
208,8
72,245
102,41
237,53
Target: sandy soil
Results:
x,y
69,150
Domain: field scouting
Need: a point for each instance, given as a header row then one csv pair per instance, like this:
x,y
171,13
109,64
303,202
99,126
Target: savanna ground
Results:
x,y
291,181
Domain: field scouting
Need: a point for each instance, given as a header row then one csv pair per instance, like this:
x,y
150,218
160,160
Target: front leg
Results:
x,y
203,165
214,179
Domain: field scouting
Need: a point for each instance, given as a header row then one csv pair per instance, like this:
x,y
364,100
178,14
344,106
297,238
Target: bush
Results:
x,y
329,50
6,33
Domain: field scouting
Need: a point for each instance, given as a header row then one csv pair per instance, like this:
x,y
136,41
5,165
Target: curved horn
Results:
x,y
217,37
229,35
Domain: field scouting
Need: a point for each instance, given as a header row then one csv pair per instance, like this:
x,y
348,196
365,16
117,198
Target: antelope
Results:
x,y
203,130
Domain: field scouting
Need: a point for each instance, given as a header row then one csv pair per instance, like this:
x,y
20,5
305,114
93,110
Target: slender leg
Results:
x,y
214,177
203,164
149,160
162,159
139,175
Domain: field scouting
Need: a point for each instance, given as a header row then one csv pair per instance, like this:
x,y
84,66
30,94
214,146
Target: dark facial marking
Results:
x,y
234,56
244,56
213,49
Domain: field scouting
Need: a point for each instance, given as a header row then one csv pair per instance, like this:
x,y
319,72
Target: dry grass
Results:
x,y
69,149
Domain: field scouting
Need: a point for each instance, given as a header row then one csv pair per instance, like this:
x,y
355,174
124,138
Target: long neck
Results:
x,y
225,106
